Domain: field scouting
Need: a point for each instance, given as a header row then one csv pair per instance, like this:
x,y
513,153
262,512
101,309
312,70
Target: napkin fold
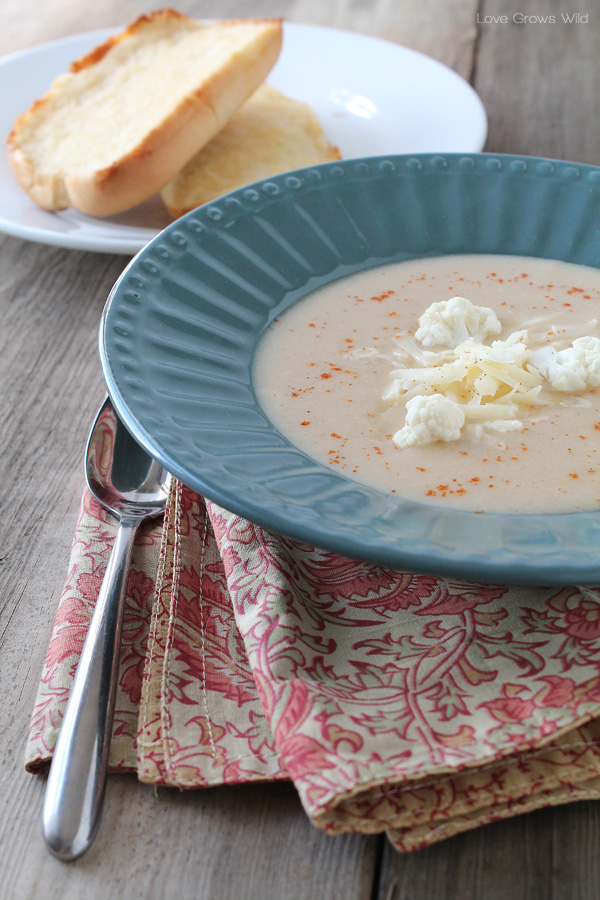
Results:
x,y
395,702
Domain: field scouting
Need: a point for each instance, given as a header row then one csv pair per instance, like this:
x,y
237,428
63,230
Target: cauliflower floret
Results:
x,y
452,322
472,388
505,425
479,431
430,418
577,367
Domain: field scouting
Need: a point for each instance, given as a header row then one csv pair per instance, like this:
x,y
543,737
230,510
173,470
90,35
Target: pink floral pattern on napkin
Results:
x,y
411,704
94,536
391,694
200,719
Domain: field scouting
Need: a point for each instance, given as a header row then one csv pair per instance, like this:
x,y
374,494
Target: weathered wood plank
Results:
x,y
548,853
229,842
539,81
445,31
251,841
52,389
539,84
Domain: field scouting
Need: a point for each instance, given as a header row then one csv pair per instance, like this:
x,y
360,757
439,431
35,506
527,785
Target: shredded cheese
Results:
x,y
488,385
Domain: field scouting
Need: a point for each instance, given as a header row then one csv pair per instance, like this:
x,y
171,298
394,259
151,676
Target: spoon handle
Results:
x,y
75,790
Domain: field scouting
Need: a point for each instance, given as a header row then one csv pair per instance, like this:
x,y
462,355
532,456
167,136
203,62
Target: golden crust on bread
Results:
x,y
128,115
271,133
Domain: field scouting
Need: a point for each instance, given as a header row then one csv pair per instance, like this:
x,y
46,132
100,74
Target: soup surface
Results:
x,y
323,369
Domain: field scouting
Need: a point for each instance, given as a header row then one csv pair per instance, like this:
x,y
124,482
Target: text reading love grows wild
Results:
x,y
575,18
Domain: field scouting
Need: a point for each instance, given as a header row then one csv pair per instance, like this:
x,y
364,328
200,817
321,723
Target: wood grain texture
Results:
x,y
539,85
539,81
445,30
255,841
246,842
207,844
251,842
546,854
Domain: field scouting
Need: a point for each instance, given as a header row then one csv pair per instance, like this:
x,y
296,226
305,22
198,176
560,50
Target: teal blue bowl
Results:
x,y
182,324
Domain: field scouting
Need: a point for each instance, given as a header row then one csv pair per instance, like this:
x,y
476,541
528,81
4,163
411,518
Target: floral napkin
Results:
x,y
409,704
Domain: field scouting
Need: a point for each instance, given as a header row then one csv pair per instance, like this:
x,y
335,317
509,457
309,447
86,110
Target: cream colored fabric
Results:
x,y
408,704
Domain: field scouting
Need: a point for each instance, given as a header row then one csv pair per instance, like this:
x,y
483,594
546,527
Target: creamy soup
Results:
x,y
326,369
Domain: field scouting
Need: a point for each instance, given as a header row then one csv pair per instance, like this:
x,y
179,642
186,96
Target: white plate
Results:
x,y
372,97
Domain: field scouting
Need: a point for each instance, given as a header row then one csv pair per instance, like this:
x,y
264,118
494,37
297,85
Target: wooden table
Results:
x,y
540,84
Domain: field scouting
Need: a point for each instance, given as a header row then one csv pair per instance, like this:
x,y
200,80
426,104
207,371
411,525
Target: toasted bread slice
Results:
x,y
116,128
269,134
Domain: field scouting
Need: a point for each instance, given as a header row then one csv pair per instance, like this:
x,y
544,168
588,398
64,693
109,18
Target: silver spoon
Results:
x,y
133,487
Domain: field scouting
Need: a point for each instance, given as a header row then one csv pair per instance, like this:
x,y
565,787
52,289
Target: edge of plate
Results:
x,y
128,245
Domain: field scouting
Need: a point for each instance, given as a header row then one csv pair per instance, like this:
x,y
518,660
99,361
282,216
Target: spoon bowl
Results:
x,y
120,475
132,487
